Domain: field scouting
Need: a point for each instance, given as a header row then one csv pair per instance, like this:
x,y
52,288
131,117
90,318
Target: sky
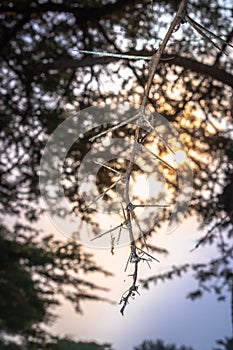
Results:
x,y
162,312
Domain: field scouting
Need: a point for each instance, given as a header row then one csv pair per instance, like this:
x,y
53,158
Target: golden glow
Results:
x,y
176,159
180,157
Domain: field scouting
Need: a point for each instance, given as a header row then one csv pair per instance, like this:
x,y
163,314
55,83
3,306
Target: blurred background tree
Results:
x,y
159,345
34,274
42,72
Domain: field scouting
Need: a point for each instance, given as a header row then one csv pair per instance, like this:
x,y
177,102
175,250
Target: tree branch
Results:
x,y
84,13
155,59
216,73
130,215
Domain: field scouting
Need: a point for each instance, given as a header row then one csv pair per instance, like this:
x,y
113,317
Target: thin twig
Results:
x,y
103,193
131,291
109,231
142,235
159,158
151,205
113,128
108,167
128,260
120,55
158,135
148,254
201,30
198,29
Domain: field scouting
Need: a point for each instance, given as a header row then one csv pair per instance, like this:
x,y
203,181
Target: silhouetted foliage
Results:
x,y
66,344
226,344
42,71
32,276
57,344
159,345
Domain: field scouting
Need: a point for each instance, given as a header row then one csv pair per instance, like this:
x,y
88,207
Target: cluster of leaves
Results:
x,y
41,71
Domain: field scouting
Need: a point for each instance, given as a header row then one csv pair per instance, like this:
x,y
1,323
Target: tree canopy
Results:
x,y
159,345
43,73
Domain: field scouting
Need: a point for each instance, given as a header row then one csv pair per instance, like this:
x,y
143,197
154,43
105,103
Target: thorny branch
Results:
x,y
180,17
155,59
137,254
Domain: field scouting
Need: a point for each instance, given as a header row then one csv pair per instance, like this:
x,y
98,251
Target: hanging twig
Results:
x,y
201,30
136,254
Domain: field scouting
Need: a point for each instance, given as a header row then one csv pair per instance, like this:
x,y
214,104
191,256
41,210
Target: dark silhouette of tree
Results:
x,y
226,199
159,345
33,274
225,344
66,344
42,71
58,344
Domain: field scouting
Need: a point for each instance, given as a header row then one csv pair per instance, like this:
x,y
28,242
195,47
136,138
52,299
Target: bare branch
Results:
x,y
110,231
